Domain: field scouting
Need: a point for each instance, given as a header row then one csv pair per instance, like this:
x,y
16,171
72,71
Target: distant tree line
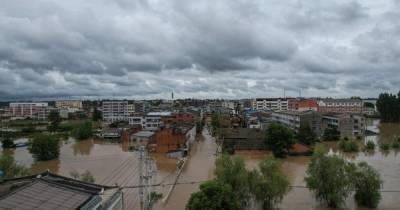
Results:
x,y
389,107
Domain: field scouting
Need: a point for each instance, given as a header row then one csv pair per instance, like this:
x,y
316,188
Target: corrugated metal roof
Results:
x,y
44,195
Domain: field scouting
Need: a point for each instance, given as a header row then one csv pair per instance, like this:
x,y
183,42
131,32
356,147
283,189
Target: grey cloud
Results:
x,y
227,48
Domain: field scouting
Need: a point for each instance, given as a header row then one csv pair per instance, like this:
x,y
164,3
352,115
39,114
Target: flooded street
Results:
x,y
112,163
199,167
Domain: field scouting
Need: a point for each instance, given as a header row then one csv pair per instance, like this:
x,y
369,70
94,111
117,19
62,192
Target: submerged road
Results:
x,y
199,166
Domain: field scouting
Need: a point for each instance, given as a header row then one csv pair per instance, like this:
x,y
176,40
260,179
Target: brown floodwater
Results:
x,y
111,163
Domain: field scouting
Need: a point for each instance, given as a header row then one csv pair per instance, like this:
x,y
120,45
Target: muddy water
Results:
x,y
112,163
387,163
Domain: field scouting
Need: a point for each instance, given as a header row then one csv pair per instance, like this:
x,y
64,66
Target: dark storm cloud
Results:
x,y
224,48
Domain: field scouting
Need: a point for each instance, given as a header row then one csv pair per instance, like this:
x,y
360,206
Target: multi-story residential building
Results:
x,y
294,119
303,105
31,110
115,111
73,104
275,104
340,105
349,125
131,109
140,106
153,120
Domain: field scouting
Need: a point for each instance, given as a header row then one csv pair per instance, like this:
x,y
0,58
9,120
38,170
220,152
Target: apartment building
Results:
x,y
69,104
340,105
303,105
294,119
29,110
140,106
349,125
275,104
115,111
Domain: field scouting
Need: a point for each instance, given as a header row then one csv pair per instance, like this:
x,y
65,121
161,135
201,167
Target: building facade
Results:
x,y
274,104
303,105
74,104
294,119
29,110
114,111
349,125
340,105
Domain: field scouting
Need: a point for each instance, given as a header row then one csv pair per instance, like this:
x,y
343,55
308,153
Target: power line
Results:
x,y
198,182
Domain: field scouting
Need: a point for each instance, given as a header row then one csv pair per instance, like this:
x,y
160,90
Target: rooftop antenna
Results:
x,y
284,93
300,93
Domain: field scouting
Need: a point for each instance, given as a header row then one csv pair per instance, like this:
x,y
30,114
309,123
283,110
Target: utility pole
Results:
x,y
146,171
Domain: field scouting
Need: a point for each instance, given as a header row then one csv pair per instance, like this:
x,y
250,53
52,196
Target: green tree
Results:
x,y
55,119
82,130
329,177
215,124
331,134
369,105
213,195
97,115
388,106
44,147
368,184
268,183
280,139
231,170
306,135
7,142
10,168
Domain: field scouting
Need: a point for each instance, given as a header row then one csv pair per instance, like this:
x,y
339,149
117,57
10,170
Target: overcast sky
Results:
x,y
198,48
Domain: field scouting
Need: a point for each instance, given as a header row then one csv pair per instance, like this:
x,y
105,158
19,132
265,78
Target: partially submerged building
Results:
x,y
349,125
47,191
294,119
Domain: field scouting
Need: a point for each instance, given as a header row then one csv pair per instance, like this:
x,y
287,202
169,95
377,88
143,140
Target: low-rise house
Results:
x,y
51,191
174,138
242,139
349,125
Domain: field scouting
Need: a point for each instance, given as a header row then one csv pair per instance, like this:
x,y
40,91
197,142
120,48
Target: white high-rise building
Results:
x,y
115,111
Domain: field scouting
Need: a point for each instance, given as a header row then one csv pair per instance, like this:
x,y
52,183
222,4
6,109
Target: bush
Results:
x,y
396,145
10,168
7,143
44,147
384,146
370,145
348,146
368,183
213,196
82,131
331,134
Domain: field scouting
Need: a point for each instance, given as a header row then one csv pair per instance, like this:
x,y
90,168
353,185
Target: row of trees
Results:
x,y
389,107
235,187
333,179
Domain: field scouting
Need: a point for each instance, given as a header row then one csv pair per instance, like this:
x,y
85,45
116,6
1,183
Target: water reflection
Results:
x,y
82,147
